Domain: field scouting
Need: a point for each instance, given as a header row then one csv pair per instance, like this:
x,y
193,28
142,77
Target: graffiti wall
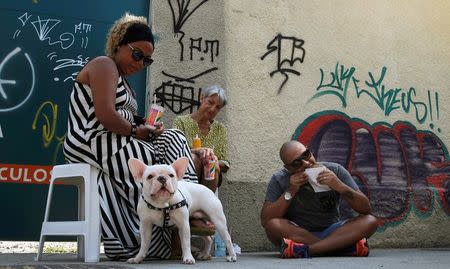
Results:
x,y
401,169
189,53
364,84
44,46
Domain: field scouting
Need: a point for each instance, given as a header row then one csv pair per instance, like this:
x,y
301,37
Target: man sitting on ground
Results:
x,y
306,223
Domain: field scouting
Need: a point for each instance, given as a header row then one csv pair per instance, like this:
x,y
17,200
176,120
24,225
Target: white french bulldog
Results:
x,y
163,187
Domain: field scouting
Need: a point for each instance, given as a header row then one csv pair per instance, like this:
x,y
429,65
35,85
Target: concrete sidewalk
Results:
x,y
379,258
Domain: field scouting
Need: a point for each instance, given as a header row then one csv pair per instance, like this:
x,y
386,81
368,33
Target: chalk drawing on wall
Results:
x,y
289,50
59,39
23,19
45,29
15,95
62,63
178,93
401,169
344,80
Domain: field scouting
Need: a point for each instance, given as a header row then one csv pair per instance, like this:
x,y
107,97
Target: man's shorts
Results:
x,y
327,231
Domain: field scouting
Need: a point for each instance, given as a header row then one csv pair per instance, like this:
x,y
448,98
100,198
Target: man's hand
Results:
x,y
327,177
297,180
356,199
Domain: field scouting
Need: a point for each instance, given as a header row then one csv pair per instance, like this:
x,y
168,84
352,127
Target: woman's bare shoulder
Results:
x,y
101,61
99,67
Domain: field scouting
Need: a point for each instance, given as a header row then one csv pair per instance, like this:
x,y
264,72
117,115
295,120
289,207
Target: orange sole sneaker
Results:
x,y
291,249
362,248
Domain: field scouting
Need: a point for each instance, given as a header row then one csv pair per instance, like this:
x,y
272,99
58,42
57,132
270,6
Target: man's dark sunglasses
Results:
x,y
137,55
305,156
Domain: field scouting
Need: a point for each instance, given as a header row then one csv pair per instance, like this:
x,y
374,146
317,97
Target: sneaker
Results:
x,y
362,248
291,249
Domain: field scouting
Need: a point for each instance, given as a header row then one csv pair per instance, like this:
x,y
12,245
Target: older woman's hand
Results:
x,y
207,154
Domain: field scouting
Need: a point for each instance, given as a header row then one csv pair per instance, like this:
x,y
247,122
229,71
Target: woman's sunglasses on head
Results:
x,y
137,55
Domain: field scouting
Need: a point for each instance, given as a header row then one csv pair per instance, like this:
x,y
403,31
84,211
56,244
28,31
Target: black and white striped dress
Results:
x,y
87,141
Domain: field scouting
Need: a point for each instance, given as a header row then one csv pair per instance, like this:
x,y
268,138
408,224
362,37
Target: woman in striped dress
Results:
x,y
103,131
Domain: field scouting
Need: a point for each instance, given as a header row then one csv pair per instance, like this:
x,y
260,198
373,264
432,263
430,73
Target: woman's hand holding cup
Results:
x,y
158,128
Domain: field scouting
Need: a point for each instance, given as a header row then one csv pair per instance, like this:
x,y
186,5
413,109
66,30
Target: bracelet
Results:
x,y
133,129
151,135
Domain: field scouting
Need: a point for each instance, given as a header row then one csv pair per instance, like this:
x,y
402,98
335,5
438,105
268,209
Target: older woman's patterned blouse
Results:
x,y
216,138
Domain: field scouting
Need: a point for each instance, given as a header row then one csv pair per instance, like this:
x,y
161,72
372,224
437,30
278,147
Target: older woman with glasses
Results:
x,y
105,131
303,220
213,134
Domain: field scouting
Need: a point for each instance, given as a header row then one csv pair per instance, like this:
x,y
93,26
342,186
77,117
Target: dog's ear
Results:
x,y
137,168
180,166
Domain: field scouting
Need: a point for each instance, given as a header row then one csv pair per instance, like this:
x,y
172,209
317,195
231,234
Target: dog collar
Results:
x,y
167,209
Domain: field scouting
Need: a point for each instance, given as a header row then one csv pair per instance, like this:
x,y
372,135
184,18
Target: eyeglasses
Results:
x,y
137,55
304,157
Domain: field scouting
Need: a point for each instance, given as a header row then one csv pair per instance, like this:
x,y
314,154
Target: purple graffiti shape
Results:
x,y
398,167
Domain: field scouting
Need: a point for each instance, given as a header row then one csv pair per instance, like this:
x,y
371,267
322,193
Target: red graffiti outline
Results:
x,y
312,125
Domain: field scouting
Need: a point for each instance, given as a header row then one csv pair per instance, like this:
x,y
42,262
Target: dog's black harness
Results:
x,y
166,210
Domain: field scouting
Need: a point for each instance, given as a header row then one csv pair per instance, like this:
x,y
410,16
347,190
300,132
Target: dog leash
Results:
x,y
167,209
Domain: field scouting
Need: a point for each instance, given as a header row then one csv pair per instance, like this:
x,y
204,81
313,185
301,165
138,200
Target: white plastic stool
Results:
x,y
87,227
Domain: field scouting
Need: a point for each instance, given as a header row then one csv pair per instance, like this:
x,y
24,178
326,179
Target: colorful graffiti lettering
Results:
x,y
387,99
400,168
338,86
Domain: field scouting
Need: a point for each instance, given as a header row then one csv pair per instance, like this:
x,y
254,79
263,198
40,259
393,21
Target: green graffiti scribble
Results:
x,y
419,107
49,126
375,85
387,99
340,80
